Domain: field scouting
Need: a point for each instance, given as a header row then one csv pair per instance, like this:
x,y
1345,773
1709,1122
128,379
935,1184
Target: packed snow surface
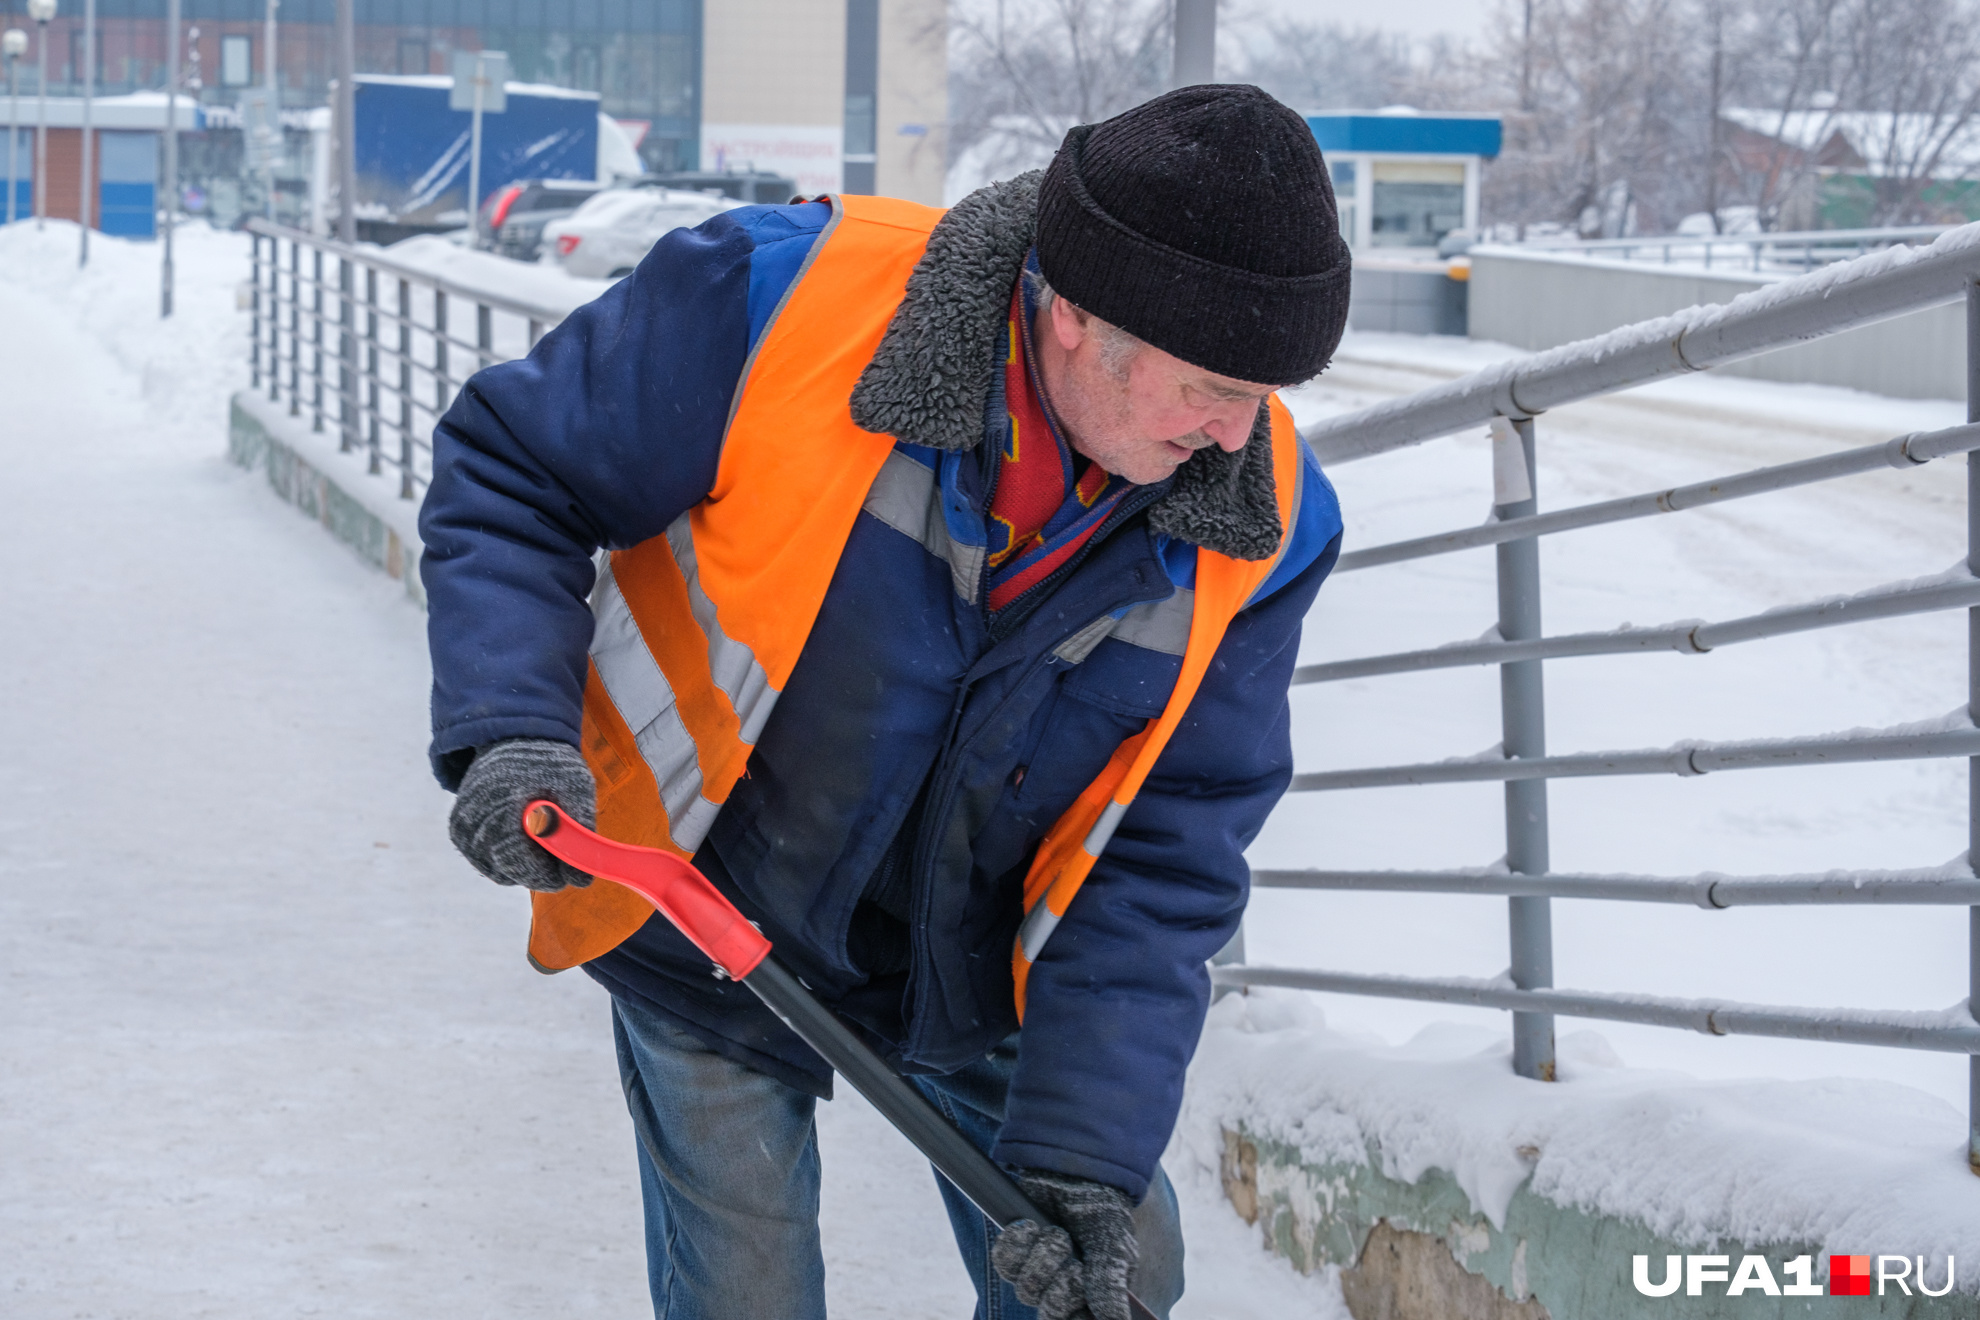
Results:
x,y
1764,1162
272,1048
538,283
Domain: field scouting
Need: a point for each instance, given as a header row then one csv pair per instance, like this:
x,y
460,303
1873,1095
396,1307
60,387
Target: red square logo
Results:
x,y
1849,1276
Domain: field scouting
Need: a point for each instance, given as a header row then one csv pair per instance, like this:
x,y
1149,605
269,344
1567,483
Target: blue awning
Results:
x,y
1406,135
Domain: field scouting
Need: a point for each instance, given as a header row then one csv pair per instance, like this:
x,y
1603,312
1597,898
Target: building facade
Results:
x,y
870,123
642,56
853,90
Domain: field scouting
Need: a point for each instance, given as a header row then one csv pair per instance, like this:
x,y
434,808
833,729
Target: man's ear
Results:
x,y
1069,323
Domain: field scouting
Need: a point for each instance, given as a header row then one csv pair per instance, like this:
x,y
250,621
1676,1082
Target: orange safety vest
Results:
x,y
698,629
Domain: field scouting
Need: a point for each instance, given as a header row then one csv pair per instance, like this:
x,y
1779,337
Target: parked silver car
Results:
x,y
606,237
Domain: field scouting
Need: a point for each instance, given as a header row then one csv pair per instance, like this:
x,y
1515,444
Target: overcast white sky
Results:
x,y
1418,18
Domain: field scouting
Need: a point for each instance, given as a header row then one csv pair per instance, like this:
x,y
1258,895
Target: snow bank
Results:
x,y
543,283
1853,1165
187,366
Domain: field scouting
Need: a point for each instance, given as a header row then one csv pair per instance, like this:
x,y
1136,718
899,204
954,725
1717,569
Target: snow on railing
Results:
x,y
369,345
1803,249
1507,397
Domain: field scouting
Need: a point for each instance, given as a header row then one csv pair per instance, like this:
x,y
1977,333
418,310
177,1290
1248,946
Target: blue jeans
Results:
x,y
728,1174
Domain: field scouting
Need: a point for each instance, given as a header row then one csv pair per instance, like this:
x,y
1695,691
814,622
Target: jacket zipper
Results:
x,y
1007,620
936,810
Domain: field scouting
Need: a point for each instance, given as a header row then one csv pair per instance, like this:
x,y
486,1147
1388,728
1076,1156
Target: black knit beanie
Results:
x,y
1202,222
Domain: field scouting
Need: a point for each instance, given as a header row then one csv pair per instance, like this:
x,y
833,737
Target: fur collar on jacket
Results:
x,y
929,381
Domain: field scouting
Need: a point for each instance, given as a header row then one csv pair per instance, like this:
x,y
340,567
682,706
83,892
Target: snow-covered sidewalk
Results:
x,y
270,1049
267,1046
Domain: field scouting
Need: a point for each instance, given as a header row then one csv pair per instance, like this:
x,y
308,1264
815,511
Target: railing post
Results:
x,y
295,328
1231,955
405,389
316,338
1973,711
484,335
1523,714
347,430
274,318
373,466
441,396
254,331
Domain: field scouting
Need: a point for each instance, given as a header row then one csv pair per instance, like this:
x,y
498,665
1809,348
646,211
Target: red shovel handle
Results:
x,y
682,893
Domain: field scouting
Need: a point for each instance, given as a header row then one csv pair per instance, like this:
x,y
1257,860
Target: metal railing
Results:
x,y
1508,398
1803,249
369,345
363,343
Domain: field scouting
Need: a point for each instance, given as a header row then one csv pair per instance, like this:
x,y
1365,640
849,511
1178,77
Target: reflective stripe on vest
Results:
x,y
697,630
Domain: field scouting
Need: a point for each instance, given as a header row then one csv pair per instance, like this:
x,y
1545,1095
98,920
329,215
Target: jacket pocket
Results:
x,y
1078,733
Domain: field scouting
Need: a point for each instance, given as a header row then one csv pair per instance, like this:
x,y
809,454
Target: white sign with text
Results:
x,y
810,153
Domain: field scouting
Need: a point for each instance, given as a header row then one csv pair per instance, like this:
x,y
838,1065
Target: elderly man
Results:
x,y
957,564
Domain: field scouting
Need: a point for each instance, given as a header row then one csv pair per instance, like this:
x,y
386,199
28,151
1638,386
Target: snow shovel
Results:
x,y
698,910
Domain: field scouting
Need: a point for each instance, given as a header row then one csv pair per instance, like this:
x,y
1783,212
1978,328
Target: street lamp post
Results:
x,y
43,13
15,45
346,119
88,138
480,87
274,102
171,152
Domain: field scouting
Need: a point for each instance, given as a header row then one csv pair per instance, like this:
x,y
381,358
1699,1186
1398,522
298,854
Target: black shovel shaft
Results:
x,y
948,1150
967,1168
702,913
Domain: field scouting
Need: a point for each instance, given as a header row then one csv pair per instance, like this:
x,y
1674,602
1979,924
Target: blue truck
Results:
x,y
412,150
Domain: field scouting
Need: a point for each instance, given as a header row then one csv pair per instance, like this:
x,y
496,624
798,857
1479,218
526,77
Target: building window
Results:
x,y
1342,172
78,60
1415,204
412,55
236,61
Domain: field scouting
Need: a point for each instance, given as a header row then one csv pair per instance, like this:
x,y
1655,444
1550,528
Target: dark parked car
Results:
x,y
750,189
513,217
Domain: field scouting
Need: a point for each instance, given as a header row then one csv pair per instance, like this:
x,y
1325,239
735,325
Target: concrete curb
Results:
x,y
306,468
1419,1251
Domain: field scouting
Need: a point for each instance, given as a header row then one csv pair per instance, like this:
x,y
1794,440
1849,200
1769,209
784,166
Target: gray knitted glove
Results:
x,y
505,777
1098,1222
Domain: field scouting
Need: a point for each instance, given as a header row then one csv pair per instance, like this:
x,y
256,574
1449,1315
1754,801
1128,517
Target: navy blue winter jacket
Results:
x,y
919,752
